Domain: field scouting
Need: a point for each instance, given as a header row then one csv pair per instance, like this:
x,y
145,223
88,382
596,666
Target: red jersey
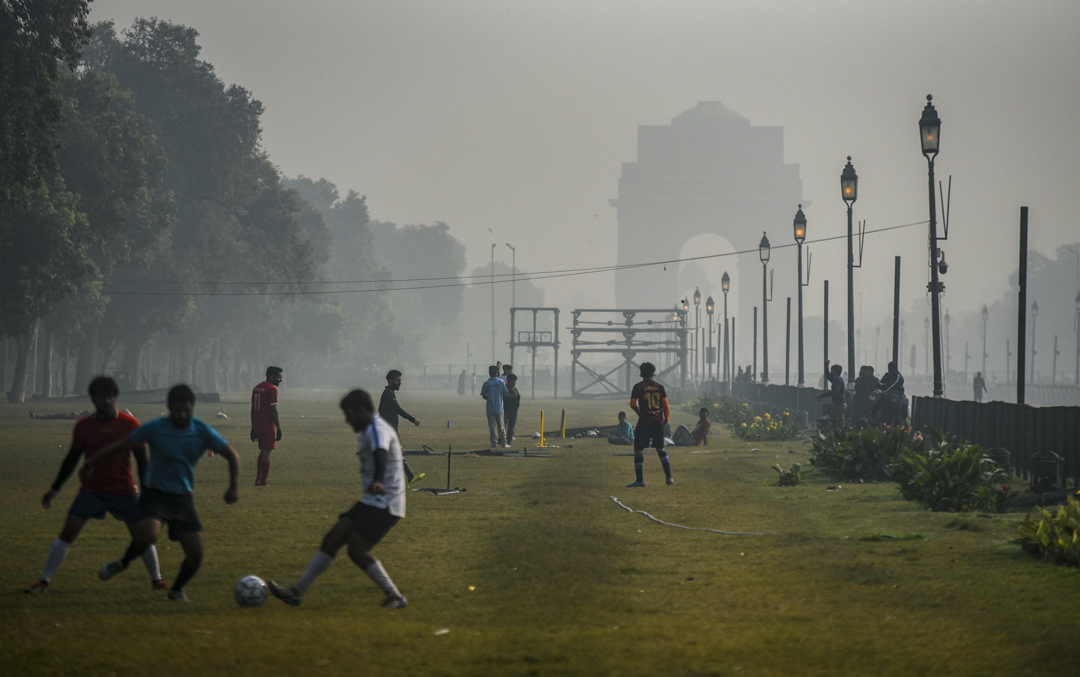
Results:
x,y
112,476
649,399
263,396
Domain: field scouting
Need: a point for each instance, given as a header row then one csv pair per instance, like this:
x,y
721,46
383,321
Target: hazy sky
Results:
x,y
515,116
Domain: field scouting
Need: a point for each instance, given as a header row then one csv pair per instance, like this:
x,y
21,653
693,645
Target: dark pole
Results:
x,y
801,377
826,320
764,324
727,373
753,374
787,346
850,298
731,372
1021,310
896,315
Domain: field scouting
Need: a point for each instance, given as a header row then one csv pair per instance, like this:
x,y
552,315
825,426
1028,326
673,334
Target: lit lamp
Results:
x,y
764,251
800,236
930,133
849,189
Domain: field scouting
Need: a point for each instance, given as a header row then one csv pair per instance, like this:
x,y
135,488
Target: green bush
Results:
x,y
722,409
766,427
1055,534
861,453
951,476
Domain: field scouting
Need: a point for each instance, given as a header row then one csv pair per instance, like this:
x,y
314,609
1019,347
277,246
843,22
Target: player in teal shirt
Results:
x,y
177,442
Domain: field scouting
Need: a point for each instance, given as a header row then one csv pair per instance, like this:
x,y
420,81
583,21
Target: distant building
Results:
x,y
709,172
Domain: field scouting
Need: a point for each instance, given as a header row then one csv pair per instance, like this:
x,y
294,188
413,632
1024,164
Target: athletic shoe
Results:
x,y
37,586
506,446
160,584
418,477
285,594
638,483
670,481
395,603
178,596
110,569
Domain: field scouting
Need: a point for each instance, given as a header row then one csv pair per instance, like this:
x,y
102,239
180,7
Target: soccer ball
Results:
x,y
250,591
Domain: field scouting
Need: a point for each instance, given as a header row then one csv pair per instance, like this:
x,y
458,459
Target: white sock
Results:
x,y
150,559
57,554
319,564
378,574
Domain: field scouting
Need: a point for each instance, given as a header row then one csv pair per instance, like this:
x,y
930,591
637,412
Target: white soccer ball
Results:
x,y
250,591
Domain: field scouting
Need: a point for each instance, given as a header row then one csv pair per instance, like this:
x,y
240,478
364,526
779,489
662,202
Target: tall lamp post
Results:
x,y
710,358
800,237
849,188
930,131
686,321
1034,316
493,303
725,284
985,317
513,275
697,331
764,251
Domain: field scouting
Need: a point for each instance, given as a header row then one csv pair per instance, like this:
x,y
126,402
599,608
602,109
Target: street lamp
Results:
x,y
985,317
764,250
697,330
1034,316
849,188
800,236
930,131
725,284
709,307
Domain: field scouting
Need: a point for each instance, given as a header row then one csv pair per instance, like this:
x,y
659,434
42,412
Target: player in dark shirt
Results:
x,y
390,410
649,400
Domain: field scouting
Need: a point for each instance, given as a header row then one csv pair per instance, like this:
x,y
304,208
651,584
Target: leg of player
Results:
x,y
58,552
360,553
263,472
192,543
331,543
143,535
150,560
666,463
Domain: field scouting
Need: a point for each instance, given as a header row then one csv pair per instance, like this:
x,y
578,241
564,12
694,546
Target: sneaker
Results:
x,y
160,584
110,569
37,586
638,483
506,446
670,481
418,477
395,603
285,594
178,596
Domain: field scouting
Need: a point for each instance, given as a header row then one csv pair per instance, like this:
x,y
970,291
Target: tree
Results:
x,y
35,39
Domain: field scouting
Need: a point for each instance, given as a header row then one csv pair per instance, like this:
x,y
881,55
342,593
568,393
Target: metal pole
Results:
x,y
764,324
727,372
935,287
826,320
787,346
896,314
754,374
1021,310
801,377
492,303
850,298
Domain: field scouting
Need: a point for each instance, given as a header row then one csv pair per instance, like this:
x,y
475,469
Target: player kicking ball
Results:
x,y
111,489
367,522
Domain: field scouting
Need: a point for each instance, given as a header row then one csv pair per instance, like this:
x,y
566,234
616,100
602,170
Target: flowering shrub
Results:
x,y
722,409
767,427
1055,534
952,476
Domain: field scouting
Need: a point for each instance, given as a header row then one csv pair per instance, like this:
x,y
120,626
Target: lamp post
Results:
x,y
493,303
697,331
764,251
1034,316
686,316
513,275
985,317
800,236
710,358
725,284
930,131
849,188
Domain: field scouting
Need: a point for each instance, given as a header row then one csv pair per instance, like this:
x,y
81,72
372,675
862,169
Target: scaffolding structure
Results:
x,y
629,334
536,339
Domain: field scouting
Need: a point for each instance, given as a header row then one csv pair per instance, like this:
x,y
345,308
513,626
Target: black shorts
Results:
x,y
370,522
649,434
175,510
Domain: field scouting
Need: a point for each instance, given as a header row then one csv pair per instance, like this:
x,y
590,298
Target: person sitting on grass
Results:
x,y
701,430
624,432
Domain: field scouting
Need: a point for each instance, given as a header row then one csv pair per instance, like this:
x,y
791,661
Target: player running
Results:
x,y
265,424
649,400
380,508
112,489
177,443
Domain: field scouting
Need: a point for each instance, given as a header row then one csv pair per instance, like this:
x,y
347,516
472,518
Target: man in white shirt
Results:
x,y
382,505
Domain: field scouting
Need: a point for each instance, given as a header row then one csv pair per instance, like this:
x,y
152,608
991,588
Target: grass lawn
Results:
x,y
535,570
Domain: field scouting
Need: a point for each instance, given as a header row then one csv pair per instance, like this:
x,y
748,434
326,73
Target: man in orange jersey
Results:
x,y
649,400
265,424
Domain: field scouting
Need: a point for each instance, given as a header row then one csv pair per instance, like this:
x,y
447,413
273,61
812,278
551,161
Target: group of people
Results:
x,y
503,402
874,401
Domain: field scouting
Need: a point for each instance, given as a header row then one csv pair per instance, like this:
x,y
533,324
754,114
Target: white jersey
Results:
x,y
381,435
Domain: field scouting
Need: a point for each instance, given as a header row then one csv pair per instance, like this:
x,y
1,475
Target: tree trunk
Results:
x,y
22,366
64,369
212,361
132,362
47,365
84,368
185,363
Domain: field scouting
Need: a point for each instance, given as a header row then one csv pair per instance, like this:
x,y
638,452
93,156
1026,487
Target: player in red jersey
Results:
x,y
265,425
111,489
649,400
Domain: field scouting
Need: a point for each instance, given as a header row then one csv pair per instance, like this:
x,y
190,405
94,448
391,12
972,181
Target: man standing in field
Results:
x,y
390,410
649,400
494,390
177,443
265,424
112,489
379,509
511,404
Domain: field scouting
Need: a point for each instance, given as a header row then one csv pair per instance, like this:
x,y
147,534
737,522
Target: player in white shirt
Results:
x,y
382,505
